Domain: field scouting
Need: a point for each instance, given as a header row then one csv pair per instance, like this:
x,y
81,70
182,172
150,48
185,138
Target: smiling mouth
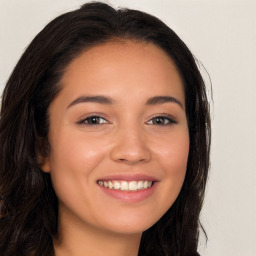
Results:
x,y
126,185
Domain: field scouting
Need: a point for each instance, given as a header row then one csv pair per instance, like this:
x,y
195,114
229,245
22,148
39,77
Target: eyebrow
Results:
x,y
163,99
96,99
107,100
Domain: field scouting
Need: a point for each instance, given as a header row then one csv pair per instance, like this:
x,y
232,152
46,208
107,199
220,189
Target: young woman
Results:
x,y
104,140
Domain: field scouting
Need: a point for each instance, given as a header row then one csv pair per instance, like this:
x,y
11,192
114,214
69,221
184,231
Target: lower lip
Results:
x,y
130,196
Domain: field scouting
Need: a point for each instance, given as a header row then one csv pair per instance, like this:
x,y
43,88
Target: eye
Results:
x,y
162,120
93,120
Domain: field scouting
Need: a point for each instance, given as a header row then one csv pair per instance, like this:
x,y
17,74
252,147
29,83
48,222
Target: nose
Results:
x,y
130,147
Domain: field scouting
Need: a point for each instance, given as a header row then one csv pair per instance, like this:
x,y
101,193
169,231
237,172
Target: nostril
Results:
x,y
131,161
128,152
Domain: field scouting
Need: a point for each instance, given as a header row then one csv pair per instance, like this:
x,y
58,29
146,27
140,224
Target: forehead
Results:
x,y
123,65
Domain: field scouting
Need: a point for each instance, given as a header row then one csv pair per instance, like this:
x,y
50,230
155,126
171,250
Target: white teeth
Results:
x,y
133,185
126,185
105,184
110,184
145,185
140,185
116,185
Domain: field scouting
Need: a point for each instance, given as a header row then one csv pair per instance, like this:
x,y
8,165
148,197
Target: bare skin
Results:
x,y
119,120
95,243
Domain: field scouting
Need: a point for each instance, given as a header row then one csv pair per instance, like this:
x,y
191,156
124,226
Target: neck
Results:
x,y
77,240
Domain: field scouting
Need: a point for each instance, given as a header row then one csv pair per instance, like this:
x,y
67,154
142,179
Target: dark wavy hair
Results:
x,y
28,204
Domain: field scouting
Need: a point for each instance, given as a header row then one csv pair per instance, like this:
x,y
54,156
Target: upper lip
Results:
x,y
129,177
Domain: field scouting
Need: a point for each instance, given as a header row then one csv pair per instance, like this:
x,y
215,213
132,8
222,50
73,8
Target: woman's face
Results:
x,y
118,138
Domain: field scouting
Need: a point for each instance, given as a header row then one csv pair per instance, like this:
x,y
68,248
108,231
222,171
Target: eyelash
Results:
x,y
90,118
167,119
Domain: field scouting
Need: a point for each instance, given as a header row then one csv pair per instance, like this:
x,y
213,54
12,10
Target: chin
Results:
x,y
133,222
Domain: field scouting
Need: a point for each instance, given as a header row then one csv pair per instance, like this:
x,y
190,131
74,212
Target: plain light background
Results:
x,y
222,35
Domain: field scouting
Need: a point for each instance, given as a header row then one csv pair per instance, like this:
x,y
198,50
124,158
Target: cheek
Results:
x,y
75,150
173,156
73,160
173,152
73,164
177,160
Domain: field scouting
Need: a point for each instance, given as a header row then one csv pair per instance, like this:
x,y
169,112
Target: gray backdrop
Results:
x,y
222,35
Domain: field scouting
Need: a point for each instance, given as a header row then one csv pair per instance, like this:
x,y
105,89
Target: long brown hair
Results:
x,y
28,204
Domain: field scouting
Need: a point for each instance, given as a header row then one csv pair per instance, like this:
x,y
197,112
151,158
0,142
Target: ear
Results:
x,y
46,165
42,151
